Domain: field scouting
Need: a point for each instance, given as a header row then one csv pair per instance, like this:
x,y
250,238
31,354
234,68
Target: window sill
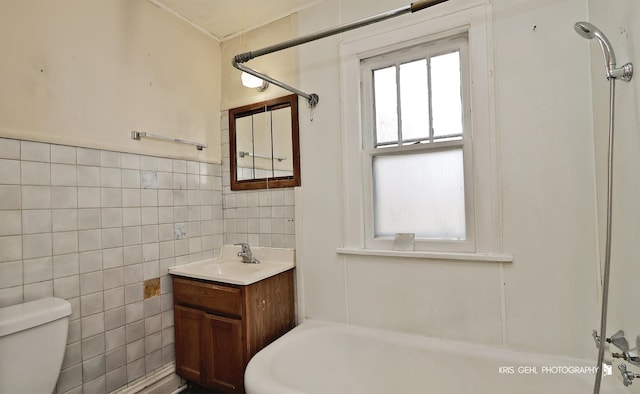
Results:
x,y
479,257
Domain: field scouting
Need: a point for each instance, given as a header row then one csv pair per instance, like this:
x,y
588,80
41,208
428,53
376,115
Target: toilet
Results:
x,y
33,337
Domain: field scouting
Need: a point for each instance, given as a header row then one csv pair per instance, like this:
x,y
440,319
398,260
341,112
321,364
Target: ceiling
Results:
x,y
226,19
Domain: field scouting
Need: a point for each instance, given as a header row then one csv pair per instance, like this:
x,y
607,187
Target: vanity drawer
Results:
x,y
208,296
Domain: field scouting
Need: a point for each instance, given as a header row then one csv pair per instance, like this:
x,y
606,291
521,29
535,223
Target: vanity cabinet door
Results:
x,y
219,327
223,358
188,325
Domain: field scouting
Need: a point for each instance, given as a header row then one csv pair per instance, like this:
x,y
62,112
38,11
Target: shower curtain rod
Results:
x,y
313,98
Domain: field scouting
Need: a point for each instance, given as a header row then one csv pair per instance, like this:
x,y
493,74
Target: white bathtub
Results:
x,y
318,357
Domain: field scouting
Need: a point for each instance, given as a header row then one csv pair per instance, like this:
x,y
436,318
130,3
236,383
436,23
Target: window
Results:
x,y
416,145
419,146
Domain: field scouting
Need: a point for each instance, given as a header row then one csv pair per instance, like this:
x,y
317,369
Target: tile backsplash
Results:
x,y
91,226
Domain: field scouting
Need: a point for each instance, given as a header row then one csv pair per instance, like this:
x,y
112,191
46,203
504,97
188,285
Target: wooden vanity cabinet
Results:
x,y
219,326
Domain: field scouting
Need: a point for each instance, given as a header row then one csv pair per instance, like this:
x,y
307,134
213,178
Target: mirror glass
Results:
x,y
264,146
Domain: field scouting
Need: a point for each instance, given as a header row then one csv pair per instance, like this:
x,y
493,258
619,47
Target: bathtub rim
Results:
x,y
258,371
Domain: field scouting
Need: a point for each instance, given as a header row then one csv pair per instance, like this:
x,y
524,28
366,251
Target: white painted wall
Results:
x,y
87,72
84,73
547,176
546,300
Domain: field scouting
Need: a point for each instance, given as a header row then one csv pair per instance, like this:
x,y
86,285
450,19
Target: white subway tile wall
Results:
x,y
90,226
259,217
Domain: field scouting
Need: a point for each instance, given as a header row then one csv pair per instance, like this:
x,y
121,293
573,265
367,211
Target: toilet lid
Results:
x,y
20,317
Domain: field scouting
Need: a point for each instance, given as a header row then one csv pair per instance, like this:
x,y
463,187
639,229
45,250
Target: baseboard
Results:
x,y
163,381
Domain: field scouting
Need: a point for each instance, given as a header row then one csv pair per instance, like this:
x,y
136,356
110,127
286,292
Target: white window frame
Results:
x,y
429,49
451,19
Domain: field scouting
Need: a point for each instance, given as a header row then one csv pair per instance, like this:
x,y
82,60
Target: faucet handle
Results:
x,y
627,376
618,340
618,334
245,246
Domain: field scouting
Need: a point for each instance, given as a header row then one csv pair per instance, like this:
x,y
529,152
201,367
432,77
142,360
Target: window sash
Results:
x,y
441,214
371,148
403,107
426,244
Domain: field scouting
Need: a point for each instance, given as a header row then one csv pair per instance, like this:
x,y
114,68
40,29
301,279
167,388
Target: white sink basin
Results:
x,y
229,268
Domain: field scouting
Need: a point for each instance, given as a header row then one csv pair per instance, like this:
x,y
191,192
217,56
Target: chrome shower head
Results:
x,y
589,31
585,29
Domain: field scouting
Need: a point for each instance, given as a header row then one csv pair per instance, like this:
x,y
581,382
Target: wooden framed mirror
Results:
x,y
264,144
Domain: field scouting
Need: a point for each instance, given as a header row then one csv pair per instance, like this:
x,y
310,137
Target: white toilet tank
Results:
x,y
33,337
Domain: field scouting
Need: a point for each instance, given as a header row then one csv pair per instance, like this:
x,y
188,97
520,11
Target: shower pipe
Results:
x,y
625,73
313,98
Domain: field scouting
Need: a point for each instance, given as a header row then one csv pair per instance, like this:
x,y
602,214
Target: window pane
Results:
x,y
446,94
414,99
421,193
386,104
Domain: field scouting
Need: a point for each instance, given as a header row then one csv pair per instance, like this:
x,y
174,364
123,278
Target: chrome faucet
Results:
x,y
247,254
618,340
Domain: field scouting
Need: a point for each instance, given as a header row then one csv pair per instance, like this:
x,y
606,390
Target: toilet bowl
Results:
x,y
33,337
